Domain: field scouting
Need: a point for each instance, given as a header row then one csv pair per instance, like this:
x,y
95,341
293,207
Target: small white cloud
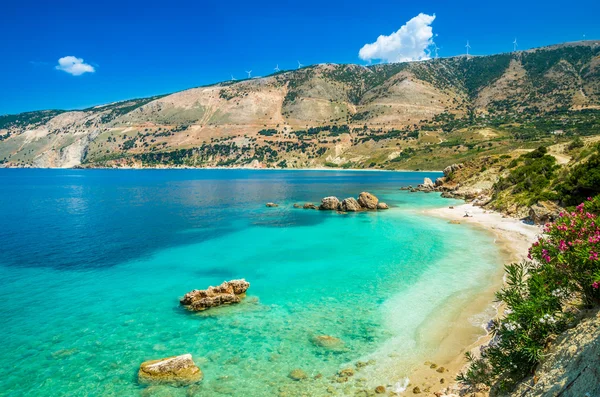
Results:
x,y
74,66
409,43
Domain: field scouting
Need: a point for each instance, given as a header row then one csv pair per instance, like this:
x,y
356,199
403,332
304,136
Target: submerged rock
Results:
x,y
368,200
297,374
227,293
350,205
328,342
178,370
272,205
330,203
296,205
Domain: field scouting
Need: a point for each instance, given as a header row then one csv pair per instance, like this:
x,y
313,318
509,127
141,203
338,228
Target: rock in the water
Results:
x,y
179,370
296,205
380,389
350,204
297,374
227,293
328,342
428,183
330,203
368,200
272,205
309,206
382,206
346,372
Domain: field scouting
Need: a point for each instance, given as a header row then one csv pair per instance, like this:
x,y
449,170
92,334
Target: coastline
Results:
x,y
513,238
218,168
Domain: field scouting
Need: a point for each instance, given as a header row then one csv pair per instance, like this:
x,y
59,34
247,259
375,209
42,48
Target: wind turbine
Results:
x,y
435,49
299,65
515,45
277,68
233,78
249,73
468,47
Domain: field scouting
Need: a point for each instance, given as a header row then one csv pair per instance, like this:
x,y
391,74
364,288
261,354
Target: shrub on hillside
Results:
x,y
531,174
582,181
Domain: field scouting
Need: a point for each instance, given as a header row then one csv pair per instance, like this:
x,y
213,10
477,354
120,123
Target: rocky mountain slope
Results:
x,y
571,367
405,115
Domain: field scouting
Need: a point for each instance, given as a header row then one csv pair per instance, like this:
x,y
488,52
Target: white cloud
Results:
x,y
74,66
409,43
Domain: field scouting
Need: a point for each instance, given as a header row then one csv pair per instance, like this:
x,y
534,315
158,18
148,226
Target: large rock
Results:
x,y
544,212
427,182
178,370
440,181
368,200
309,206
451,168
227,293
330,203
570,366
382,206
350,204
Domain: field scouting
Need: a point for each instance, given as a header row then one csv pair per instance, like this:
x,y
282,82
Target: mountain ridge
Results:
x,y
324,115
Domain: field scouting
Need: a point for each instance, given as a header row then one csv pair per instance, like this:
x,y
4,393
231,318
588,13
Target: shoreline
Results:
x,y
218,168
513,238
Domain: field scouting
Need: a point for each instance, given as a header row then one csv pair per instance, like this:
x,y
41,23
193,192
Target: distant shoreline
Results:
x,y
218,168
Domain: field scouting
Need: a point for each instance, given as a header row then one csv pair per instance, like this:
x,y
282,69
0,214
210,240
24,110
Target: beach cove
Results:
x,y
105,279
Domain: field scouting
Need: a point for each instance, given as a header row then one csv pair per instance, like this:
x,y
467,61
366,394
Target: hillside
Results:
x,y
420,115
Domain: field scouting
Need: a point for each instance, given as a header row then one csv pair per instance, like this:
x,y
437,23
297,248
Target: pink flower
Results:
x,y
596,285
593,256
562,246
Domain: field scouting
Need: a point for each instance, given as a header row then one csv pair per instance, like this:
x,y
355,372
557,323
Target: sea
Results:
x,y
93,264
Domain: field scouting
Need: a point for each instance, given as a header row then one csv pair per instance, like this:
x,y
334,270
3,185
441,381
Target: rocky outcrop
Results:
x,y
309,206
227,293
368,200
572,367
451,168
544,212
330,203
350,205
272,205
178,370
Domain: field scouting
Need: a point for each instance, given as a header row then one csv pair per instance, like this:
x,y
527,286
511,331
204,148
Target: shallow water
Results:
x,y
92,263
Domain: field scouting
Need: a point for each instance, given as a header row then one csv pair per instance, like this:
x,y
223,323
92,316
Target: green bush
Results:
x,y
582,181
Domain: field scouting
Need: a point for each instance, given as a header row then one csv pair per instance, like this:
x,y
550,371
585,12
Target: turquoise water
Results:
x,y
92,264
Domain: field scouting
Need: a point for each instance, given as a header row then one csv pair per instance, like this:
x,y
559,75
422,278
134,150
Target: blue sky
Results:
x,y
130,49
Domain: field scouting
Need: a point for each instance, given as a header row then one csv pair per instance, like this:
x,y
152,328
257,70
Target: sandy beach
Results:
x,y
514,237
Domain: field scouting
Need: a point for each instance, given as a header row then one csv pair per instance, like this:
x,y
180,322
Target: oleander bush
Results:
x,y
541,297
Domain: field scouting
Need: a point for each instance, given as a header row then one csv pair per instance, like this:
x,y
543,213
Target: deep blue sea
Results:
x,y
93,262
